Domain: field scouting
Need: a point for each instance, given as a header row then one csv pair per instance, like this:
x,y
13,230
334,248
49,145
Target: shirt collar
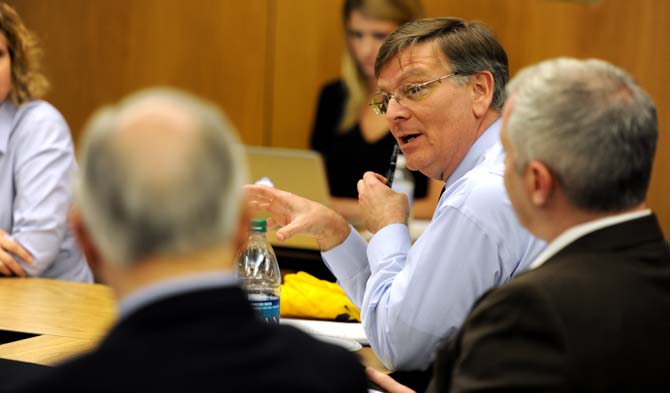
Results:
x,y
176,286
7,112
574,233
477,152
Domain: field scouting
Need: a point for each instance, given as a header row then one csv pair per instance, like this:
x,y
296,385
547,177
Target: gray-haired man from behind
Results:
x,y
591,315
161,214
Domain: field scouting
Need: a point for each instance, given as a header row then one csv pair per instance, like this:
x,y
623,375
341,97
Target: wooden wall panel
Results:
x,y
98,51
308,46
264,61
631,34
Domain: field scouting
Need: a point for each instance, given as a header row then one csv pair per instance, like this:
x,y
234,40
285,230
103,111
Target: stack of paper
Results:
x,y
347,330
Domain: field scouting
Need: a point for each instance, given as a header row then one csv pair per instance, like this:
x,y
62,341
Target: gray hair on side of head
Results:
x,y
134,207
591,124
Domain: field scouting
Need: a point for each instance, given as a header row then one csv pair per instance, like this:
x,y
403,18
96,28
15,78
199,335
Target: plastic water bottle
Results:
x,y
259,274
403,181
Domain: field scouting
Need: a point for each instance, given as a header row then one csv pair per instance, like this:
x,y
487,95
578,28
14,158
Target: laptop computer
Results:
x,y
298,171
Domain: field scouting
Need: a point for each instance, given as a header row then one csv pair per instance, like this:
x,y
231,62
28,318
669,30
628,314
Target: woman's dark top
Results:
x,y
347,154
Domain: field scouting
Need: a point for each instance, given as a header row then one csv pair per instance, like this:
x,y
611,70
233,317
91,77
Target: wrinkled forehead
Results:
x,y
421,60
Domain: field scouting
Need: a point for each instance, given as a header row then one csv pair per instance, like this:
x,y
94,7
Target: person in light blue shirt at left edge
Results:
x,y
36,166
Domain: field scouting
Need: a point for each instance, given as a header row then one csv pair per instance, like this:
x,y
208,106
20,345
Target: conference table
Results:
x,y
46,321
61,318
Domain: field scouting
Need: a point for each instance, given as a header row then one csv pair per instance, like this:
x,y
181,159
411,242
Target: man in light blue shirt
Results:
x,y
589,316
441,86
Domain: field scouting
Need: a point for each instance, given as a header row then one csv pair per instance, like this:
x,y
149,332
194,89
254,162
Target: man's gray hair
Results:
x,y
591,124
141,196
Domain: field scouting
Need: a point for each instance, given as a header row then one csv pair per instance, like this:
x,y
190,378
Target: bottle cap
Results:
x,y
258,225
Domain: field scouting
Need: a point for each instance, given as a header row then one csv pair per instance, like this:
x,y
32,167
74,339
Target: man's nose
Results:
x,y
369,47
396,110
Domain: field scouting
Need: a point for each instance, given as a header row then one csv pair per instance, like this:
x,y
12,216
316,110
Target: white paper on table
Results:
x,y
348,330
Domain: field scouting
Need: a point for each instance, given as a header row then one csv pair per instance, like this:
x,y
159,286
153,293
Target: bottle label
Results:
x,y
266,306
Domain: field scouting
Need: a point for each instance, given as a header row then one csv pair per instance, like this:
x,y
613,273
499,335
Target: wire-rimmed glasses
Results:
x,y
410,91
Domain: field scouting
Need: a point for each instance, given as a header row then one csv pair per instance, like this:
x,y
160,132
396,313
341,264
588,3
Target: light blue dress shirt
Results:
x,y
36,169
414,297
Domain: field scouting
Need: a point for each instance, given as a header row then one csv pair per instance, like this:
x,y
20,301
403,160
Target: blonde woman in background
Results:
x,y
349,135
36,166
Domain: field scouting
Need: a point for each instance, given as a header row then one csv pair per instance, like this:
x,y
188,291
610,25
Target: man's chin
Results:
x,y
418,166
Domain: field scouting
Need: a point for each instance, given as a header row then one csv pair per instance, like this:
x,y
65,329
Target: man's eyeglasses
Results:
x,y
411,91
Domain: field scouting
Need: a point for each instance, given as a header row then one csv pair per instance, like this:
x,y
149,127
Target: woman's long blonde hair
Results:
x,y
355,81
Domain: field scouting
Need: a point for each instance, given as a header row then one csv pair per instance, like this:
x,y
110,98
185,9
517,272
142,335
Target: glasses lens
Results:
x,y
379,103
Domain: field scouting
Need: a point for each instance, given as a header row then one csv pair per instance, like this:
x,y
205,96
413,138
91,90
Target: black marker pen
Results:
x,y
392,163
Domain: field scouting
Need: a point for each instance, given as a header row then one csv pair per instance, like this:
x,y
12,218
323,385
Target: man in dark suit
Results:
x,y
592,313
159,214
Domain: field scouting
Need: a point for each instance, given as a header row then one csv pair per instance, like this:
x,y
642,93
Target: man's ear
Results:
x,y
84,238
540,183
482,85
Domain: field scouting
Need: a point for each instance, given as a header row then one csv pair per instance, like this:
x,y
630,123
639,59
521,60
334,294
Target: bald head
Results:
x,y
154,119
161,175
157,137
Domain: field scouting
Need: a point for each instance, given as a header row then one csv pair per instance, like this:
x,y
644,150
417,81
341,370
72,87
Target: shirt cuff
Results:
x,y
348,257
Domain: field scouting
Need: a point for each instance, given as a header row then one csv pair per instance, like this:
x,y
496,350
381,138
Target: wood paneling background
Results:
x,y
264,61
634,35
97,51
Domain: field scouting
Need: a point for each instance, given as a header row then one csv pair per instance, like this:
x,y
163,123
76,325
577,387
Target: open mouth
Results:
x,y
408,138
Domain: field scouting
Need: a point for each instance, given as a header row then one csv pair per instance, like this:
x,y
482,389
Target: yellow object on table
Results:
x,y
305,296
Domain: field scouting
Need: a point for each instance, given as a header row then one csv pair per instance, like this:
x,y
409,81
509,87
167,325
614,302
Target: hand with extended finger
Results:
x,y
9,248
298,215
381,206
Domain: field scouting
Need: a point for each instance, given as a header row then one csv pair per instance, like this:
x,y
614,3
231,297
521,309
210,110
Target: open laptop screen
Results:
x,y
298,171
